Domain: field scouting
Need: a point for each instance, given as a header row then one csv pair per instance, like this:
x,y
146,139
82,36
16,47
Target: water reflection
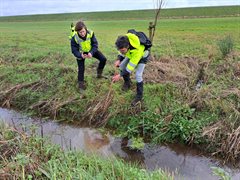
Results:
x,y
189,163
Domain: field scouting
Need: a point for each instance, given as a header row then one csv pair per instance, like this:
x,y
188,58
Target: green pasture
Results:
x,y
174,37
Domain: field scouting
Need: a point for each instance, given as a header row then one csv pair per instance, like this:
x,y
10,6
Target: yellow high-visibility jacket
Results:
x,y
84,45
72,32
87,44
136,53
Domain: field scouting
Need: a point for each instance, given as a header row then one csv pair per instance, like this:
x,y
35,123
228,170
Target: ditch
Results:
x,y
184,162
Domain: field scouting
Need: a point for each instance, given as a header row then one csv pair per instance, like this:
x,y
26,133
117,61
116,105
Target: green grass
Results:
x,y
31,157
33,41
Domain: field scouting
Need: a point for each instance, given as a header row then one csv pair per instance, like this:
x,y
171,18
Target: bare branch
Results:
x,y
152,26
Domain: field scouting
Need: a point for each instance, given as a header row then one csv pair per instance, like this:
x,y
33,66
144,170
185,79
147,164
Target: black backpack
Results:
x,y
144,40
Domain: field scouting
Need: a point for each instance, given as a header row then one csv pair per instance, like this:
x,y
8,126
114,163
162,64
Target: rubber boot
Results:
x,y
127,82
139,94
82,85
99,73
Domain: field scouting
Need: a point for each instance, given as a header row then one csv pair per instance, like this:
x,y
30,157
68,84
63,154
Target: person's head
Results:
x,y
81,28
122,44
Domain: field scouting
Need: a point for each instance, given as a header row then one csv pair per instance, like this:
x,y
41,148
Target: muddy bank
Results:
x,y
184,162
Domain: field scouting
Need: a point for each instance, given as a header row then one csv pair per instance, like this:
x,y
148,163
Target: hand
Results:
x,y
89,55
116,78
84,56
117,63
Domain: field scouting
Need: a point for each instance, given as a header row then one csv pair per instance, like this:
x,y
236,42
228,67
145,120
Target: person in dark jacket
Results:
x,y
84,45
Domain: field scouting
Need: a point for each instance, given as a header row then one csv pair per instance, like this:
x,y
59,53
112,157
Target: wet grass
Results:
x,y
39,77
31,157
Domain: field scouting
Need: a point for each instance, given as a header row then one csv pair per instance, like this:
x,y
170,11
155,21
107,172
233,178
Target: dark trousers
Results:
x,y
81,64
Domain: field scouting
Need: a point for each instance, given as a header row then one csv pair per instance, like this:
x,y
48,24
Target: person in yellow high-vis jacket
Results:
x,y
72,31
133,56
84,45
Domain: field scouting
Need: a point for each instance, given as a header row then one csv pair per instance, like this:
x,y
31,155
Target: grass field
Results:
x,y
174,37
39,75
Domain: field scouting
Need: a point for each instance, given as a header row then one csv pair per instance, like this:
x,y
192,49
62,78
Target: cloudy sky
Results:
x,y
26,7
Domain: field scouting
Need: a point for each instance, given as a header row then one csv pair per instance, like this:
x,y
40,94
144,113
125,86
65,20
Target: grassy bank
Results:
x,y
39,76
31,157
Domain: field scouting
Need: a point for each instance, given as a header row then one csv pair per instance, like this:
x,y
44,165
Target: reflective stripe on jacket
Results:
x,y
134,54
84,45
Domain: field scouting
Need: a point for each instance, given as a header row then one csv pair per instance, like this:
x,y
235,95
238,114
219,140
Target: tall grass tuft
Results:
x,y
225,45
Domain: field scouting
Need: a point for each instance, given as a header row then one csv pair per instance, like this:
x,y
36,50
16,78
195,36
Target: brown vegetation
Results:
x,y
7,95
52,106
10,148
97,113
178,71
224,134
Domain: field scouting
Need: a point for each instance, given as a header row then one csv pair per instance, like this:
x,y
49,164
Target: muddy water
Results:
x,y
185,162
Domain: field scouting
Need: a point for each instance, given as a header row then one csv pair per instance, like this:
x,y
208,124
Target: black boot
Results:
x,y
127,82
81,85
99,73
139,94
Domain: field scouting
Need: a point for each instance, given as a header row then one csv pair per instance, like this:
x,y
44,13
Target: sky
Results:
x,y
27,7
